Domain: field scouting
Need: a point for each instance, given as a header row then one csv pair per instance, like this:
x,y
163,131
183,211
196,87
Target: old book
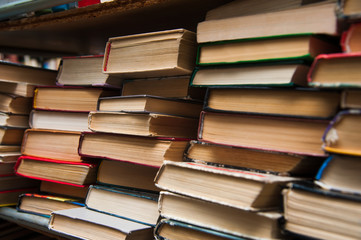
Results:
x,y
59,120
15,104
350,41
351,98
138,206
131,148
6,157
343,134
263,49
64,189
174,87
336,70
316,18
276,74
87,224
340,173
71,173
14,120
10,197
85,71
149,103
11,135
283,134
235,188
278,163
235,221
9,148
349,10
7,168
13,182
44,205
76,99
155,54
54,144
18,88
128,175
321,214
307,103
143,124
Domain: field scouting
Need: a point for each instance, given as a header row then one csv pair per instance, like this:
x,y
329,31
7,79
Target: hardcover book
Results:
x,y
11,135
350,41
53,188
235,188
143,124
15,104
10,197
16,182
351,98
155,54
18,88
71,173
14,120
87,224
138,206
283,134
349,10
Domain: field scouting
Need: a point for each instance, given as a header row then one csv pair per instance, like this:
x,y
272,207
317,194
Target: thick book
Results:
x,y
11,135
59,189
7,157
70,98
72,173
176,230
85,71
266,74
235,188
149,151
343,133
283,164
15,104
54,144
134,205
338,70
351,98
226,219
149,103
10,197
301,102
283,134
173,87
154,54
16,182
18,88
143,124
318,18
127,175
351,38
88,224
14,120
265,49
7,168
349,10
59,120
44,205
340,173
321,214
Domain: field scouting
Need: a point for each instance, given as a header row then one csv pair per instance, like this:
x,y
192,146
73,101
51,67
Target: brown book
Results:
x,y
15,104
11,136
351,98
351,39
155,54
14,120
63,189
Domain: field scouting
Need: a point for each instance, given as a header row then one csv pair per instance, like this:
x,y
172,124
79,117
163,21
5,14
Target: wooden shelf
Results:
x,y
85,30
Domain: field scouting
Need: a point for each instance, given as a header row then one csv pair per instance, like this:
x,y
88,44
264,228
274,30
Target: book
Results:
x,y
53,188
14,120
174,87
72,173
349,10
15,104
350,41
317,19
149,151
283,134
172,229
148,103
335,71
138,206
7,157
235,188
13,72
340,173
59,120
128,175
308,103
283,164
72,98
7,168
276,74
87,224
18,88
44,205
154,54
321,214
85,71
342,134
350,98
10,197
13,182
9,148
11,135
143,124
264,49
54,144
226,219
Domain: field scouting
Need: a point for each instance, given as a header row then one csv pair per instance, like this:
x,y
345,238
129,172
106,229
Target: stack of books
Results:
x,y
17,83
